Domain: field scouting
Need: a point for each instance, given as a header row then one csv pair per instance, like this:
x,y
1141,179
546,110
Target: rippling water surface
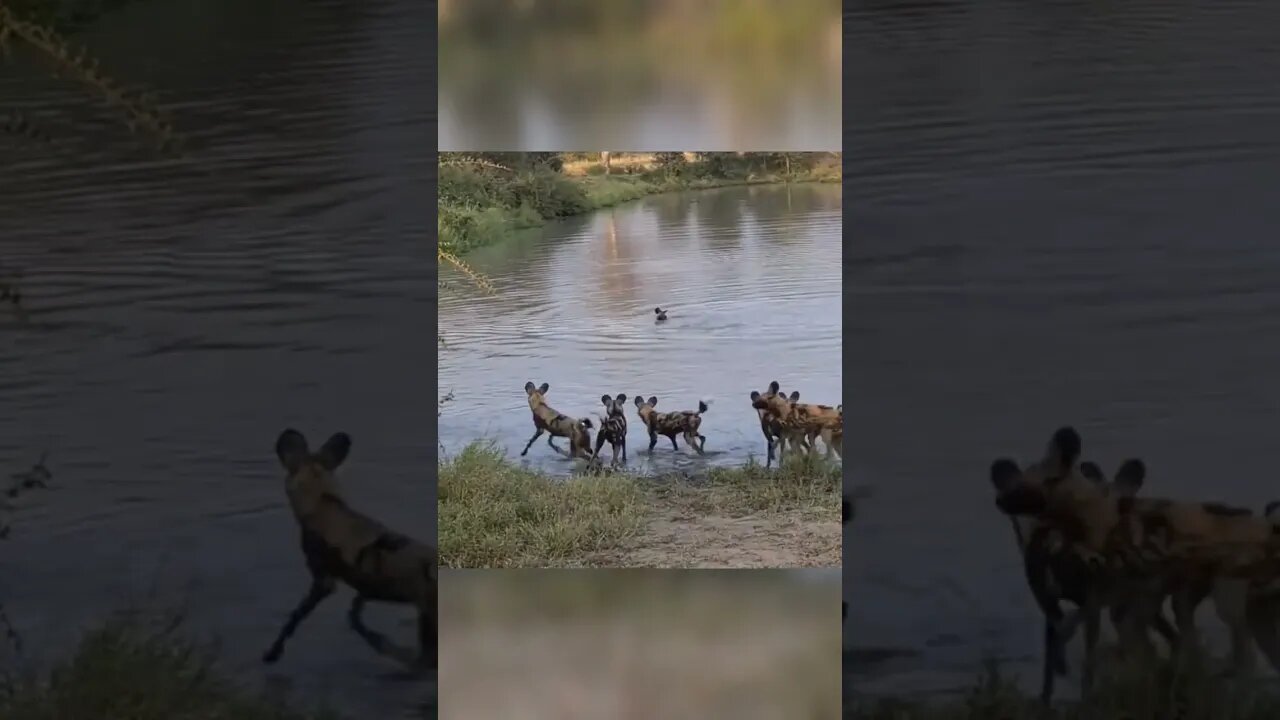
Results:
x,y
180,314
1066,215
750,277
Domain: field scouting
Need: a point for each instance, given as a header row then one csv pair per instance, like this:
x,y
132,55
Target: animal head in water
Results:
x,y
310,472
537,395
662,314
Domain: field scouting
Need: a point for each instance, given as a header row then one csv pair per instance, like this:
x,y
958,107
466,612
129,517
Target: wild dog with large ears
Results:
x,y
613,427
547,419
340,544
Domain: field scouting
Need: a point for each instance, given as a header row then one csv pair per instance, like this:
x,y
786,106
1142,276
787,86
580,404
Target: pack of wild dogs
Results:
x,y
1100,544
784,421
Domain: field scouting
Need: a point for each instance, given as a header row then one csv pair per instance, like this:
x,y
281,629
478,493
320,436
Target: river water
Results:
x,y
750,277
181,313
1064,214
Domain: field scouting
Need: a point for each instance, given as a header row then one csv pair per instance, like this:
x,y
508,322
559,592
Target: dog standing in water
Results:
x,y
340,544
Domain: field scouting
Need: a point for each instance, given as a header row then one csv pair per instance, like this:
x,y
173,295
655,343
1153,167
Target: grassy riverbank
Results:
x,y
1125,691
127,668
495,513
484,198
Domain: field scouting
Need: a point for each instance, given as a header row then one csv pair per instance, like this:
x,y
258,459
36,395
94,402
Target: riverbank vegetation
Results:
x,y
34,29
137,668
1131,690
496,513
484,197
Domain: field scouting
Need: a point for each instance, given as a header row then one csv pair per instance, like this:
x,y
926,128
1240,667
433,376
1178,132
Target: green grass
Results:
x,y
495,513
485,202
1130,690
136,670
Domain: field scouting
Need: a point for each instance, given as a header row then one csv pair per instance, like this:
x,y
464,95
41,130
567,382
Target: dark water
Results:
x,y
182,313
749,276
637,74
1065,213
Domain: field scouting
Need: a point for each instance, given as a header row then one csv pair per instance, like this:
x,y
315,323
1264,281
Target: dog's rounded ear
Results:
x,y
755,395
795,395
773,387
1005,474
1064,447
653,400
545,387
639,401
334,451
622,397
1092,471
606,400
1130,477
529,387
291,448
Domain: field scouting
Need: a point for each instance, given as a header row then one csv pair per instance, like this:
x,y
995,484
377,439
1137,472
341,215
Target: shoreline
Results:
x,y
464,229
494,513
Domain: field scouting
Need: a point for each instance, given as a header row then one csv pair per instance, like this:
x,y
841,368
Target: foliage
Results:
x,y
138,668
138,110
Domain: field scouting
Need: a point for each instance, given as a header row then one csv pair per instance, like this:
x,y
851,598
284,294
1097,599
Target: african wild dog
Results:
x,y
680,422
811,421
771,425
1162,547
340,544
613,427
1054,574
546,419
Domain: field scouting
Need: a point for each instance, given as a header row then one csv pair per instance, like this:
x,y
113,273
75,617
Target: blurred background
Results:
x,y
1064,213
640,644
639,74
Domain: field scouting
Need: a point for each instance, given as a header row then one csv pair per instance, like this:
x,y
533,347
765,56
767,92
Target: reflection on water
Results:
x,y
750,277
557,74
182,313
1065,215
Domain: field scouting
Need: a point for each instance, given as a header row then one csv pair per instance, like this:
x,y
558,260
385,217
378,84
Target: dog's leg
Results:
x,y
1051,653
1184,615
691,439
428,646
623,442
653,440
600,438
321,588
702,442
1092,628
377,640
537,434
559,451
672,438
1263,616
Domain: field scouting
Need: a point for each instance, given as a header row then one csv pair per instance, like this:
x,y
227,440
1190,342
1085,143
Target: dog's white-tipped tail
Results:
x,y
704,403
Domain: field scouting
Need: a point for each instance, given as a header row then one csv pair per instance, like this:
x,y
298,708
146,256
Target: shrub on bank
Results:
x,y
131,669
